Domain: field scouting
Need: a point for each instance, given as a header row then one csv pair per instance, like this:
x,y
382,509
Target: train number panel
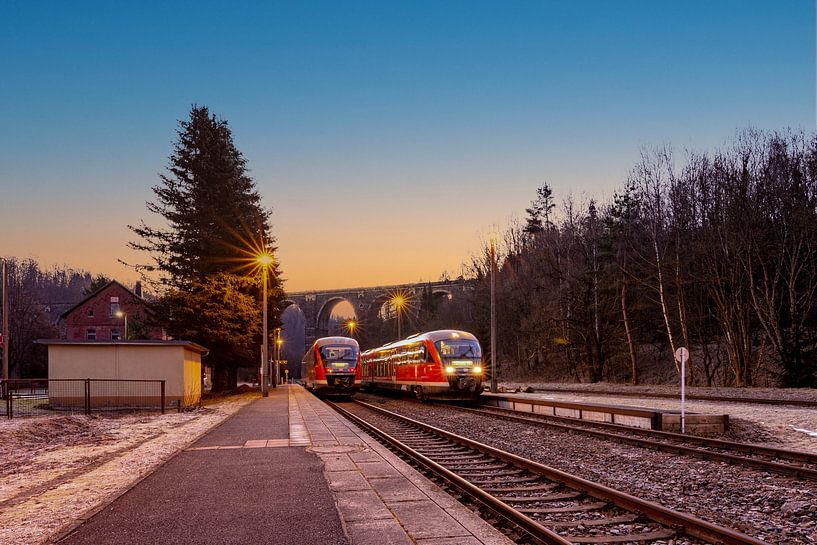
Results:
x,y
331,367
443,364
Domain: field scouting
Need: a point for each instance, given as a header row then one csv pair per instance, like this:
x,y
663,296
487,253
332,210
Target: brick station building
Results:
x,y
97,317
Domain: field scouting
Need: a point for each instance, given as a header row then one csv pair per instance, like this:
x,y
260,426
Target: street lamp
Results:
x,y
399,301
278,342
350,326
121,314
264,261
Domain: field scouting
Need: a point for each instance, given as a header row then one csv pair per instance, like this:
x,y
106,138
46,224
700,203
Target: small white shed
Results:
x,y
111,363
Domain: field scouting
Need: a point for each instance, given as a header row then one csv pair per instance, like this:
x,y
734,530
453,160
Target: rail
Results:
x,y
522,482
746,454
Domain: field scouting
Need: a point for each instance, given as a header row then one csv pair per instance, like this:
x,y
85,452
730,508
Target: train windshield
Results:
x,y
459,349
339,358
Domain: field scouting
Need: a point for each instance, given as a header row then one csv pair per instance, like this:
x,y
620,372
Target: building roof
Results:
x,y
97,292
190,345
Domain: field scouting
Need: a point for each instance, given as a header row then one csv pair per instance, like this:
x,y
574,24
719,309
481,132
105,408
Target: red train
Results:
x,y
443,364
331,367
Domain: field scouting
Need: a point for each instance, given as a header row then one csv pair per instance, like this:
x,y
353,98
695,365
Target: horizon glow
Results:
x,y
395,136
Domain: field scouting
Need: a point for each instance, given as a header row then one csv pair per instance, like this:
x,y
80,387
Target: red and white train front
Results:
x,y
332,366
438,364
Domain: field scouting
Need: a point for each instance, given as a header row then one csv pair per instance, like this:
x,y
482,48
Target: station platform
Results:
x,y
286,469
625,415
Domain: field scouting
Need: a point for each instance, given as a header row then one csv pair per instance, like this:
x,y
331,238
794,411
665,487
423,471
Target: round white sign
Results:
x,y
682,354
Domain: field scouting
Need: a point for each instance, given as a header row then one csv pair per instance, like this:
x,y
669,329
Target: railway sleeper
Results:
x,y
486,466
476,456
448,449
499,473
622,519
593,506
427,443
525,479
531,488
628,538
544,499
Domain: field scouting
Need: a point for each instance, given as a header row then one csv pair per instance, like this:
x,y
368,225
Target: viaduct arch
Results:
x,y
317,305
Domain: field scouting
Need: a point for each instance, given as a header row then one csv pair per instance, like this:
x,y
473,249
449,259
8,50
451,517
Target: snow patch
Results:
x,y
807,432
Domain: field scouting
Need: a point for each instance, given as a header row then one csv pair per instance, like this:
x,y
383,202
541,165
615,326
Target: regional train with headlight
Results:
x,y
443,364
331,367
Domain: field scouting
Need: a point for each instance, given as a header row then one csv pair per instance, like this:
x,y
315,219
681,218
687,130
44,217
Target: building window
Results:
x,y
90,334
90,313
114,309
115,336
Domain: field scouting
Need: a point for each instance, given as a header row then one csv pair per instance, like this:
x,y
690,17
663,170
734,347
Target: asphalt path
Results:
x,y
231,496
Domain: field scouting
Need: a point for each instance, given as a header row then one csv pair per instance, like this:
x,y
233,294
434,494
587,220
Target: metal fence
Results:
x,y
36,397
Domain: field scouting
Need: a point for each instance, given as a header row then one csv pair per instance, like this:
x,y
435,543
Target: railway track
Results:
x,y
695,397
542,504
801,465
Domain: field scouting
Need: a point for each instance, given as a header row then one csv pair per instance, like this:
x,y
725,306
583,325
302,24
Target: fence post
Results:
x,y
163,397
88,397
9,403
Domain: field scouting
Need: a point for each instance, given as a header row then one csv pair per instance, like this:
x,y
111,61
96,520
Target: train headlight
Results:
x,y
477,369
449,369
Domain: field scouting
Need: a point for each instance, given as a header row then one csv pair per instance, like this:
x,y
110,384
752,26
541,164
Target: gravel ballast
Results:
x,y
770,507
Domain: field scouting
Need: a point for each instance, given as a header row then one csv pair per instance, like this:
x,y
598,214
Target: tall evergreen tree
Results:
x,y
214,224
97,283
538,219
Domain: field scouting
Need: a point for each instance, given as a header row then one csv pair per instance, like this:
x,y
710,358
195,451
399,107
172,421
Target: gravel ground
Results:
x,y
55,469
773,508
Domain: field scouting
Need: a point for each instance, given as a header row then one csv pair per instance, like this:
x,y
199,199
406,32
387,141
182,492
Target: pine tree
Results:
x,y
97,283
215,223
539,211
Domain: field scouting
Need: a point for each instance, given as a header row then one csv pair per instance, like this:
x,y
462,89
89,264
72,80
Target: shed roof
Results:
x,y
190,345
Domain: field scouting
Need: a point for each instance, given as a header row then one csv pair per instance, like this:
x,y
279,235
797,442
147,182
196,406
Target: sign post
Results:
x,y
682,355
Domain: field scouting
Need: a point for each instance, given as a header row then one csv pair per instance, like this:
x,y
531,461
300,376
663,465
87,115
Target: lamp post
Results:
x,y
399,302
278,342
493,316
264,261
121,314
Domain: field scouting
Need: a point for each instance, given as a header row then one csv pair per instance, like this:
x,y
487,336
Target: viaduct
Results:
x,y
317,305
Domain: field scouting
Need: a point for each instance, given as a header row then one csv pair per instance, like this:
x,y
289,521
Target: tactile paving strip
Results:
x,y
254,443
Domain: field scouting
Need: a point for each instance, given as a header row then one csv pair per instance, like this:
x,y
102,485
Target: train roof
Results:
x,y
323,341
432,336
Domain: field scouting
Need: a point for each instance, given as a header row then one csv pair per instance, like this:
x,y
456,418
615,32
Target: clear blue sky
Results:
x,y
446,115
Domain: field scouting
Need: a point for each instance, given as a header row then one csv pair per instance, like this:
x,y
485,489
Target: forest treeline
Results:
x,y
715,251
36,299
